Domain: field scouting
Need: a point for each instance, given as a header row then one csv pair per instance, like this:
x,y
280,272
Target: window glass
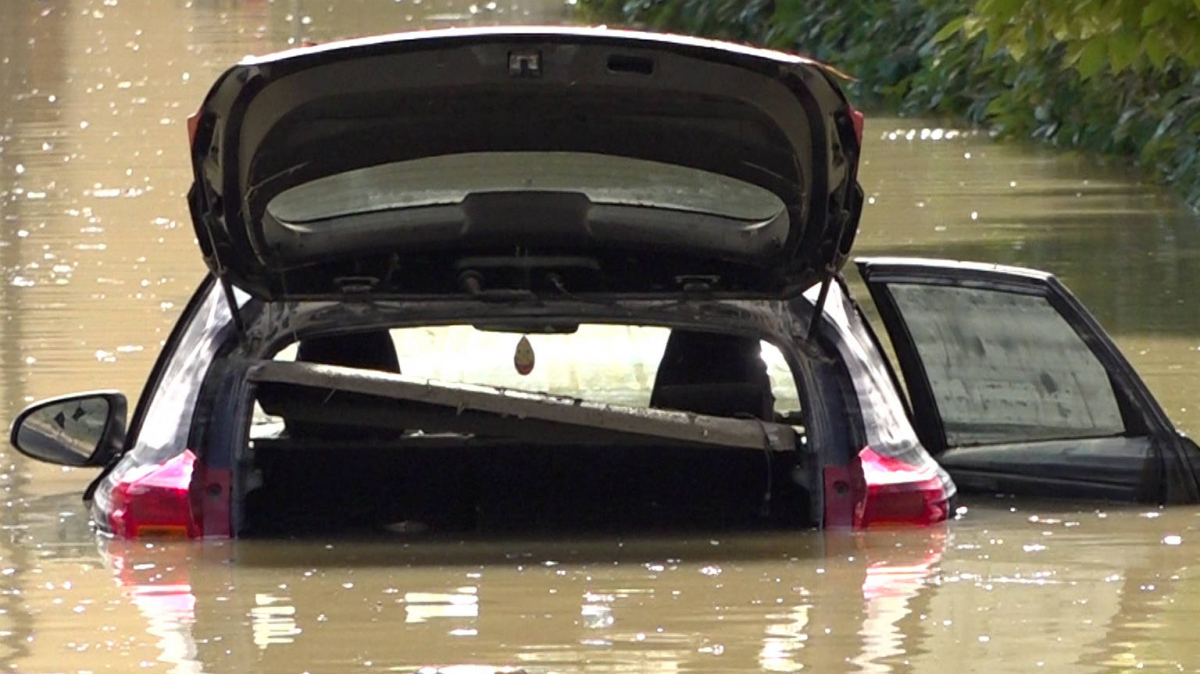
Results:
x,y
612,364
443,180
1006,367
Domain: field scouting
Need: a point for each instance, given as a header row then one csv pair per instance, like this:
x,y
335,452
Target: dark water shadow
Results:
x,y
405,550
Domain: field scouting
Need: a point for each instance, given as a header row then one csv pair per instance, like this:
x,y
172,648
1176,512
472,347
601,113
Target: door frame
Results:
x,y
1140,412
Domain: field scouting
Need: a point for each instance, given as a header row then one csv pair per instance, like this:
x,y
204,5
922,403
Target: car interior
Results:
x,y
358,464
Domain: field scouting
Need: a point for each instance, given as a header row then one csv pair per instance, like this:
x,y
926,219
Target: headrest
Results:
x,y
368,350
722,400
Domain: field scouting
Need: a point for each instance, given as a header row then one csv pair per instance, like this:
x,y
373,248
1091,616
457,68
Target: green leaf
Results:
x,y
950,29
1016,47
1155,11
1155,49
1092,58
1122,50
1007,8
1072,56
1191,56
972,26
998,106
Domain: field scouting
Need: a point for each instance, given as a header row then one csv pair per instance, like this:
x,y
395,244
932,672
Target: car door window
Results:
x,y
1006,367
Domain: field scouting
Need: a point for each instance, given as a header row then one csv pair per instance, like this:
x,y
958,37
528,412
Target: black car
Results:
x,y
480,279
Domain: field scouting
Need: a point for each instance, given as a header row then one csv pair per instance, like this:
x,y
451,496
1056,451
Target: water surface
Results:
x,y
97,257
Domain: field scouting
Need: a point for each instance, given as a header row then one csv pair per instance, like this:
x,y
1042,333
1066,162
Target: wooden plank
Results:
x,y
671,425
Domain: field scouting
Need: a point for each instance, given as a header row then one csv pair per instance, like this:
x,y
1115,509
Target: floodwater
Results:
x,y
97,258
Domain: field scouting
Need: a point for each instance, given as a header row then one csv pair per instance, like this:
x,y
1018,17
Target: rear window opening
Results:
x,y
619,430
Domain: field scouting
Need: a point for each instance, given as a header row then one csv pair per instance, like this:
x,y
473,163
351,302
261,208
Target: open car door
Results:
x,y
1015,388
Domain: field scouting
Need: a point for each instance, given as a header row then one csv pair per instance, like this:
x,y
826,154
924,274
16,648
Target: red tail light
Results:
x,y
156,503
899,493
193,125
856,118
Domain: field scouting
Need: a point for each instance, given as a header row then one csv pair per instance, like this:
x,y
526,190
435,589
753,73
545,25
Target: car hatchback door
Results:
x,y
1015,387
495,163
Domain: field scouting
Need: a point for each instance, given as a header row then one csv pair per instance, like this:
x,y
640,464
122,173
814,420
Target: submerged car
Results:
x,y
478,280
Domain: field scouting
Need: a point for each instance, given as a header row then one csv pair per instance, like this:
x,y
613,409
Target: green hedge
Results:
x,y
1116,77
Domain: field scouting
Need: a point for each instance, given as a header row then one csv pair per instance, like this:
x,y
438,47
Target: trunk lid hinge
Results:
x,y
218,270
832,268
819,306
231,298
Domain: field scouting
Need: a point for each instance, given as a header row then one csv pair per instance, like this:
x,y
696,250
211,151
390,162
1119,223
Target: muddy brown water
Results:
x,y
98,257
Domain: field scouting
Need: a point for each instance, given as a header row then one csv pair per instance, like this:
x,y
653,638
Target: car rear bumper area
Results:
x,y
517,488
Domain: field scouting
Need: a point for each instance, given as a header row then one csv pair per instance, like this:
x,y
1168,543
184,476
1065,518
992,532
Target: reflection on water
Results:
x,y
156,582
97,257
1006,589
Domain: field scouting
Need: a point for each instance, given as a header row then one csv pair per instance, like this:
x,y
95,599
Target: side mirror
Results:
x,y
83,429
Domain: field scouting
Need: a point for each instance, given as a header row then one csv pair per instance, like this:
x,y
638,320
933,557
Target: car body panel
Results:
x,y
1089,468
1045,385
765,120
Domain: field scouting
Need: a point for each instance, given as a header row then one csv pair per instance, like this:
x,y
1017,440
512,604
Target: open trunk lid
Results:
x,y
580,161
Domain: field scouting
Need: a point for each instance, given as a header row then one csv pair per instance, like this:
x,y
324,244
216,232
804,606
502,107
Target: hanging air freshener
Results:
x,y
523,359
